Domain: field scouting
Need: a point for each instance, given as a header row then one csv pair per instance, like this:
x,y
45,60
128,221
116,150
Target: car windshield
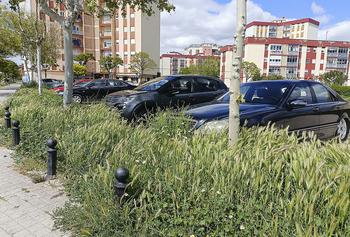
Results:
x,y
153,84
260,92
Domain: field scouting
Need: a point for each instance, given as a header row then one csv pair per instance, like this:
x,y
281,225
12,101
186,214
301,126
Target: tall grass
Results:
x,y
182,183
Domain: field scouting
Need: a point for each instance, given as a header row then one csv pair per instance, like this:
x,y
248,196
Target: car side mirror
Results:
x,y
297,103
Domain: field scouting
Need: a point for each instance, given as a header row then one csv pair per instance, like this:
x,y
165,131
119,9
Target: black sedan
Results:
x,y
299,105
168,91
98,89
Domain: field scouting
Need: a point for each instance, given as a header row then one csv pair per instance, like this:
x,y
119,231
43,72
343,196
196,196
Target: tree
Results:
x,y
141,63
235,96
73,8
83,58
108,63
79,70
274,77
251,71
39,37
209,67
334,77
9,69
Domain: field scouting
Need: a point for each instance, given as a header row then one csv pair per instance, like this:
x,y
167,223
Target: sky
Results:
x,y
214,21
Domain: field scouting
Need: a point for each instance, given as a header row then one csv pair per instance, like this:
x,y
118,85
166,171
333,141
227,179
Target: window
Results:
x,y
125,29
132,41
117,42
301,92
307,60
183,85
312,72
308,49
125,65
132,16
314,50
61,13
125,54
322,94
306,71
313,61
132,53
132,29
125,41
207,85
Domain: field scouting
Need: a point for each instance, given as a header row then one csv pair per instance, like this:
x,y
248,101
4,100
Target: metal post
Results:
x,y
7,118
122,174
15,133
51,159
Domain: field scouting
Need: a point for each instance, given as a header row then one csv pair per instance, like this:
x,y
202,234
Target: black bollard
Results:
x,y
51,158
7,119
122,174
15,133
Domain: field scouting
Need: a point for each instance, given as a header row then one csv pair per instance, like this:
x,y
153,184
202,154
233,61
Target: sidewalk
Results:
x,y
25,208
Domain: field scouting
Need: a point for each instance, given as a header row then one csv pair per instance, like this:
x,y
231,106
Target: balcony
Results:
x,y
77,32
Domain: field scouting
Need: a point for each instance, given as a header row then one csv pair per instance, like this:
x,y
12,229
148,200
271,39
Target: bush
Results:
x,y
184,183
341,90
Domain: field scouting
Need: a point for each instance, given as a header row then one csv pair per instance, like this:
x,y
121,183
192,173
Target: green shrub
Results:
x,y
184,183
341,90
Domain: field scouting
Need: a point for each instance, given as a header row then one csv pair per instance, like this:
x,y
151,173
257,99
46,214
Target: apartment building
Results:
x,y
172,63
111,34
291,58
291,49
207,49
281,28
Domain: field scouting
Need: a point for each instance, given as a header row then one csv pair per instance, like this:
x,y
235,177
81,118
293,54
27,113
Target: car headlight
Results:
x,y
215,126
121,106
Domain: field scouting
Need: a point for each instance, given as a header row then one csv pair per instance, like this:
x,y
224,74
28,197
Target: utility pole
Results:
x,y
235,81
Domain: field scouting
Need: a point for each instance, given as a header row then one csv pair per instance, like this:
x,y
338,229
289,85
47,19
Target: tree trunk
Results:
x,y
26,68
235,81
40,82
68,55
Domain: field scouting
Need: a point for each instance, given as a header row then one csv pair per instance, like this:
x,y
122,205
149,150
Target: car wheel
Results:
x,y
77,98
142,115
343,129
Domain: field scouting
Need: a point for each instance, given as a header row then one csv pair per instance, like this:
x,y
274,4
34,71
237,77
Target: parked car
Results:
x,y
98,89
78,83
167,91
299,105
52,83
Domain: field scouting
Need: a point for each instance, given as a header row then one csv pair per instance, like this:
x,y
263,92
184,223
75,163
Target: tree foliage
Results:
x,y
79,70
251,71
9,69
142,63
108,63
334,77
274,77
208,67
83,58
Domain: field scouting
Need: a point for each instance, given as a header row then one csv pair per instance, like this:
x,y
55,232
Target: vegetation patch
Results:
x,y
183,183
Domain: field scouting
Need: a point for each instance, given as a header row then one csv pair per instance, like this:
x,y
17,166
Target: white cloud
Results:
x,y
337,32
199,21
316,9
324,19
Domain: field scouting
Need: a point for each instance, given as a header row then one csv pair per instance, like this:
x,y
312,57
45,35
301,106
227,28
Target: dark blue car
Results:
x,y
299,105
163,92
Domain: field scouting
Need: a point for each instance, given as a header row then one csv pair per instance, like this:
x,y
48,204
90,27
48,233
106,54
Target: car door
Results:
x,y
113,85
95,90
304,117
178,93
205,90
329,111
